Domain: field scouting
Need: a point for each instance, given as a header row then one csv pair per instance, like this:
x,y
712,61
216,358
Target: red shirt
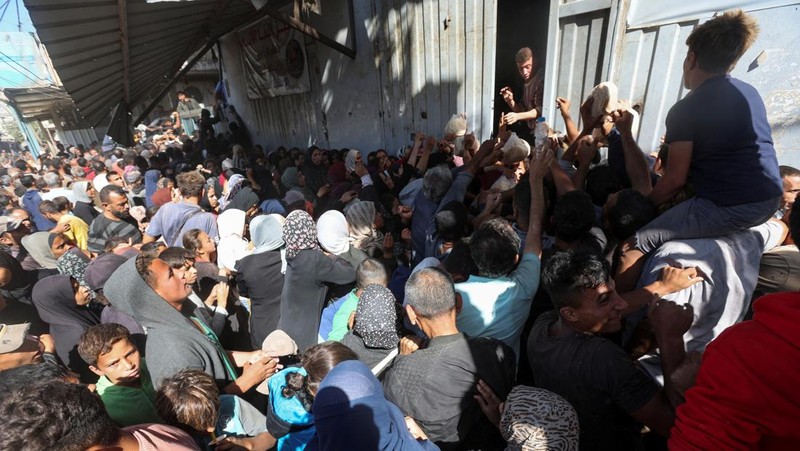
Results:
x,y
747,394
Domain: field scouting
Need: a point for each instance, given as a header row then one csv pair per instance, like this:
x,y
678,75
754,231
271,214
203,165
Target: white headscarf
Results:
x,y
266,231
333,233
79,189
232,247
350,160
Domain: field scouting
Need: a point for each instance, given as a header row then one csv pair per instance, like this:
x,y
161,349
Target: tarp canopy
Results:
x,y
108,52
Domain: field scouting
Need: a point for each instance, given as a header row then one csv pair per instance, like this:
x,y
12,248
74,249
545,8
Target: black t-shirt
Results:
x,y
598,378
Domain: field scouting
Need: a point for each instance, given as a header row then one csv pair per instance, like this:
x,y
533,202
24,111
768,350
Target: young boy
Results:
x,y
719,141
190,400
124,385
59,210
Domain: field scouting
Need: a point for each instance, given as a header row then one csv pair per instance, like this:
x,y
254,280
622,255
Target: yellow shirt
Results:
x,y
78,232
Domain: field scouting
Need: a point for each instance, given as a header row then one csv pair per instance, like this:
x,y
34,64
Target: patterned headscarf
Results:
x,y
73,263
376,318
234,185
299,233
538,420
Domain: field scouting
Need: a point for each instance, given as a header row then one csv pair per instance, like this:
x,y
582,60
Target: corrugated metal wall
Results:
x,y
590,45
579,52
651,75
74,137
650,72
582,39
418,62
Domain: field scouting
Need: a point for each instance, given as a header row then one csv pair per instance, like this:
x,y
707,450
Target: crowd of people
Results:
x,y
555,291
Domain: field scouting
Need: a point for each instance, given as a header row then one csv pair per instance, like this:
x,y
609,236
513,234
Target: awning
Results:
x,y
108,52
39,103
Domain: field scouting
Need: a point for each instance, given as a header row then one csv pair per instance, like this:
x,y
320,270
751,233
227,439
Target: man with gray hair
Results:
x,y
53,181
436,385
438,189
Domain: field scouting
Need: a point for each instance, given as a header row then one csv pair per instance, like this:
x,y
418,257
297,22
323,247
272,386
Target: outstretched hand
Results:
x,y
676,279
540,160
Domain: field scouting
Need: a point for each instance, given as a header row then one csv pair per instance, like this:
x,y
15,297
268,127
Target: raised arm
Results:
x,y
589,124
422,165
635,162
539,167
586,150
412,158
572,130
670,321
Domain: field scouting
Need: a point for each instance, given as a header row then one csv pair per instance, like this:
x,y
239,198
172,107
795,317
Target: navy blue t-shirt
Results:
x,y
733,158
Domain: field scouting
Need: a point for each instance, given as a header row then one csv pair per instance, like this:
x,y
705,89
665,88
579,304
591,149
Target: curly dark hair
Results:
x,y
568,273
495,247
296,385
56,415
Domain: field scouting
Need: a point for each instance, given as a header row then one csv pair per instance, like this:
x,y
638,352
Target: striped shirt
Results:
x,y
103,228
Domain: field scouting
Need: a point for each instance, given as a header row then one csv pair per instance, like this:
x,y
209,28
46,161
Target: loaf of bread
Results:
x,y
605,98
515,149
457,125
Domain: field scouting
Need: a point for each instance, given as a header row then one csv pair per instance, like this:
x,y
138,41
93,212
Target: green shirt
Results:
x,y
342,316
130,405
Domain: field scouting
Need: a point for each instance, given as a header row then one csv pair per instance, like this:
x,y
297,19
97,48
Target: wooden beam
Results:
x,y
312,32
122,9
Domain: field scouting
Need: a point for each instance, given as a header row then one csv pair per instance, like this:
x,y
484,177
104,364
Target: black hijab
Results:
x,y
54,298
244,200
